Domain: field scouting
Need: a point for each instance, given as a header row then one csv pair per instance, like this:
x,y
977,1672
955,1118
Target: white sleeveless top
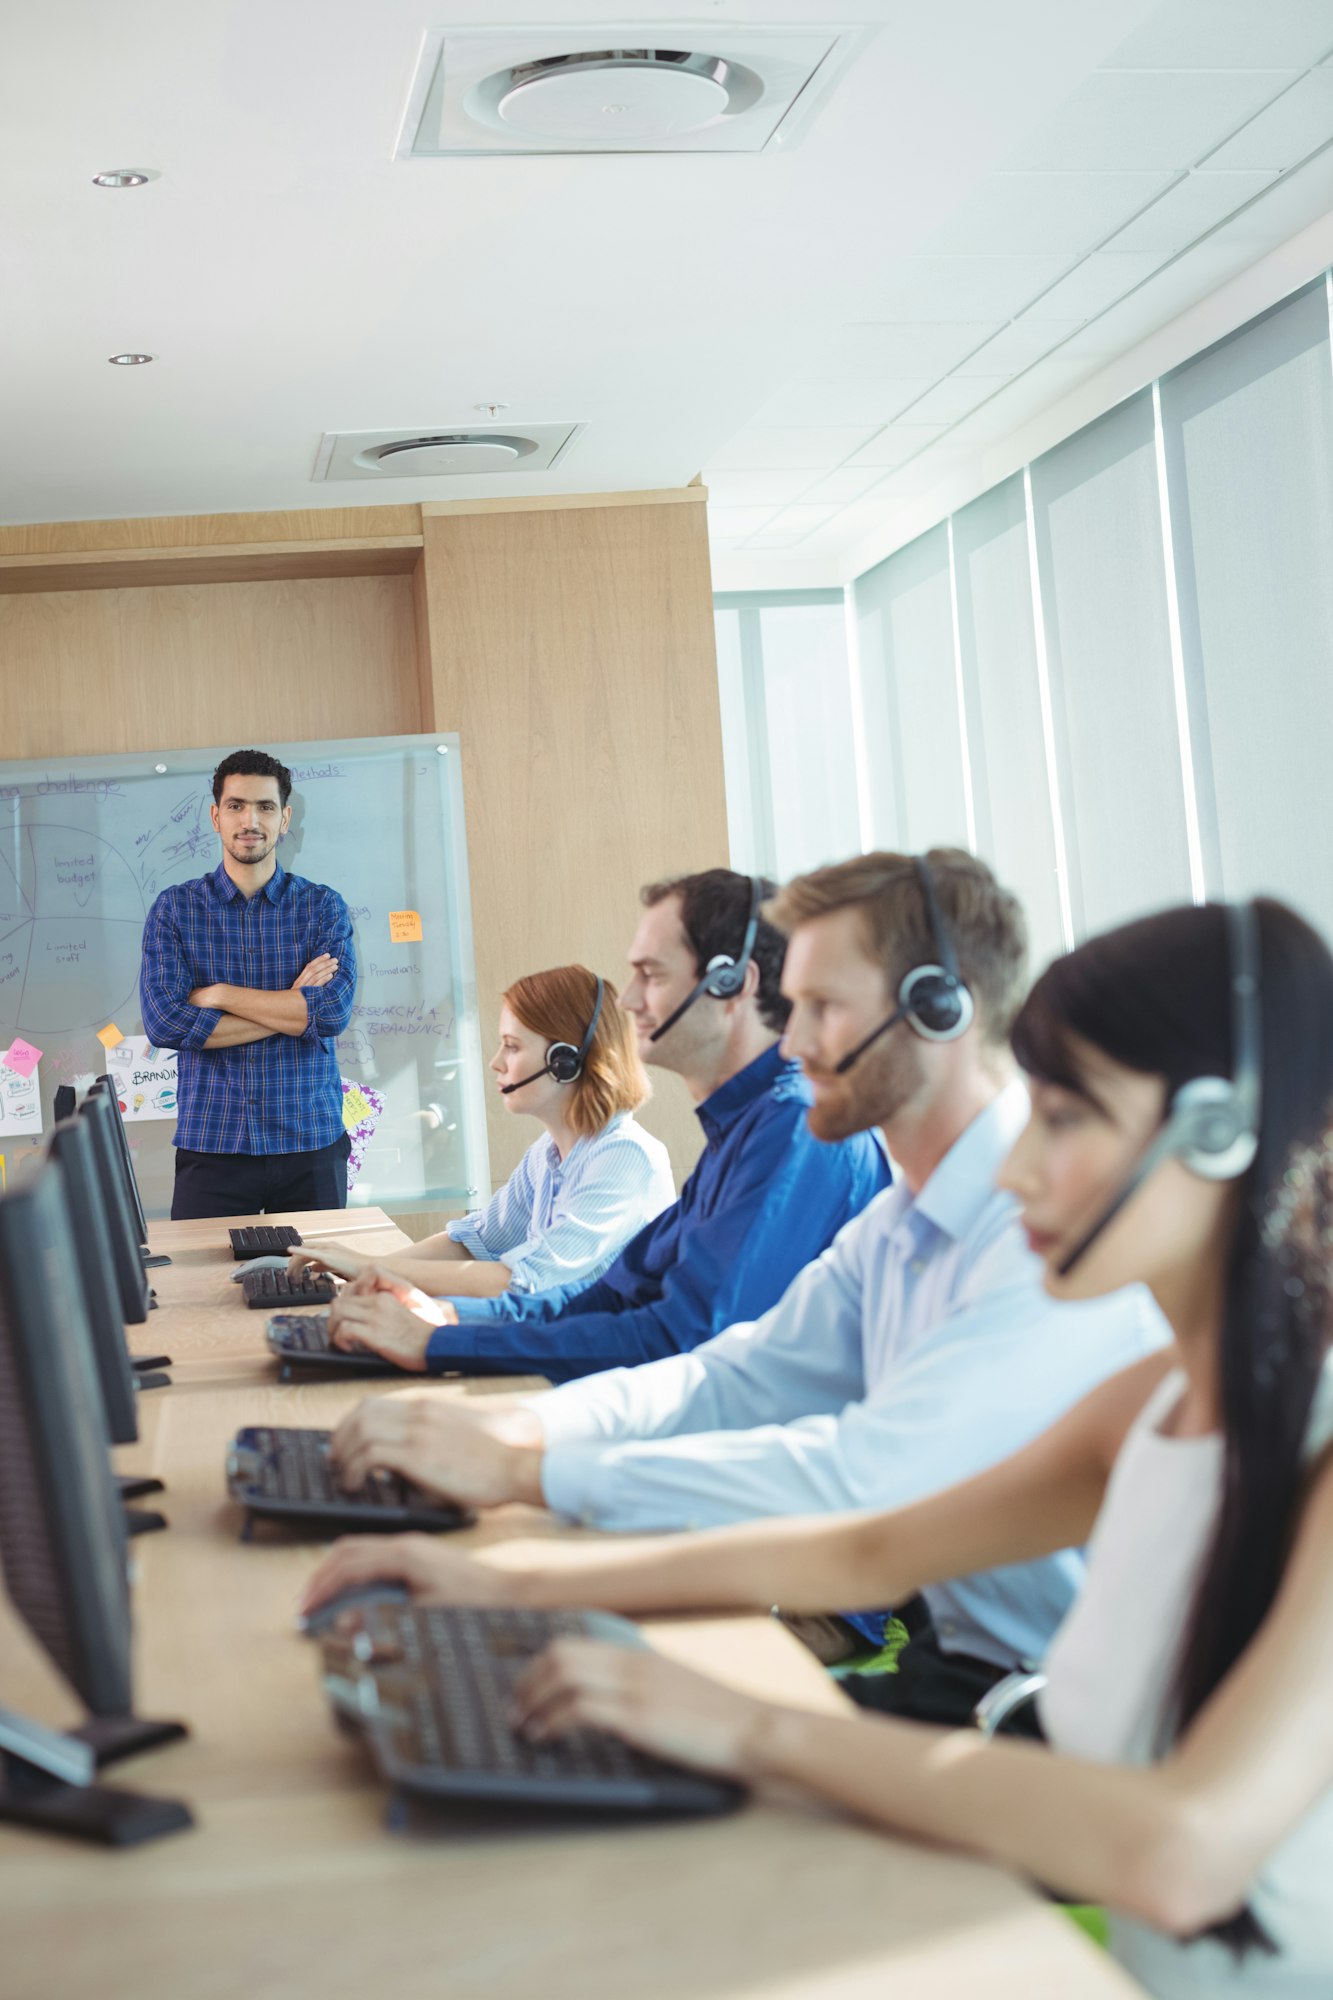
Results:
x,y
1110,1672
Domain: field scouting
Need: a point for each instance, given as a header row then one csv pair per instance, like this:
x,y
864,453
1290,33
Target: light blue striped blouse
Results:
x,y
563,1222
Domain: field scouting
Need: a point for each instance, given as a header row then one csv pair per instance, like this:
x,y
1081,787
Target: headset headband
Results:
x,y
723,977
563,1061
1212,1123
925,990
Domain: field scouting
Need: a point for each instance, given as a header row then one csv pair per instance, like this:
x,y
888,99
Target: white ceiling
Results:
x,y
824,332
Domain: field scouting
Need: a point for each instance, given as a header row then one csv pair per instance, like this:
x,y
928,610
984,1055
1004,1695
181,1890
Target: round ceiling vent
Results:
x,y
428,457
615,98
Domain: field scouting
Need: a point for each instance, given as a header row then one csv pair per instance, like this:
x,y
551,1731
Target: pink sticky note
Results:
x,y
23,1058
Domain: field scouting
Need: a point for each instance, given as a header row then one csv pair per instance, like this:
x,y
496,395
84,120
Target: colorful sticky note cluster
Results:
x,y
404,927
22,1057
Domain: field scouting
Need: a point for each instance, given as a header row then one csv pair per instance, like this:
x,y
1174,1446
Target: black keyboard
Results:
x,y
266,1289
285,1474
301,1340
266,1241
431,1685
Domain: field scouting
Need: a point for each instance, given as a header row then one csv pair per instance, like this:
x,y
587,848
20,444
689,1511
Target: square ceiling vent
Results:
x,y
458,451
653,87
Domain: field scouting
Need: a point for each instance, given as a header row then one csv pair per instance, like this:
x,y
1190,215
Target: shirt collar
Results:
x,y
721,1110
228,891
964,1181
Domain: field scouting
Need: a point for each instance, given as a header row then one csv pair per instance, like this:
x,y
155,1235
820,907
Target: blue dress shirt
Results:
x,y
280,1095
562,1222
764,1198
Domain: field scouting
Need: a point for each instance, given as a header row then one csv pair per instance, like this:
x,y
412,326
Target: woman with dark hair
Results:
x,y
1181,1072
569,1058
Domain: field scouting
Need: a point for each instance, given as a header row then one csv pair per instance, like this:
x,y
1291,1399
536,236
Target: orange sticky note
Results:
x,y
404,927
110,1035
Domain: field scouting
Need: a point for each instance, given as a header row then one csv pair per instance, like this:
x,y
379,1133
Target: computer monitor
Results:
x,y
71,1146
62,1537
99,1112
106,1088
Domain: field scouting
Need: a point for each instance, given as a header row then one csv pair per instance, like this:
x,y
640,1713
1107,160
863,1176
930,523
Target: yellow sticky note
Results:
x,y
355,1108
404,927
110,1036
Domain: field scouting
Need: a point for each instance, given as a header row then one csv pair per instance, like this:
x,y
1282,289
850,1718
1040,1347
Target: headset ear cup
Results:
x,y
562,1060
723,977
938,1006
1210,1133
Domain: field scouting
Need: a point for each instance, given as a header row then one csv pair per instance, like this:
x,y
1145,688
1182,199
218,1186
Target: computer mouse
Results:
x,y
356,1598
241,1271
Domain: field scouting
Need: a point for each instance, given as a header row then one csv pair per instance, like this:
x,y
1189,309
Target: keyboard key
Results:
x,y
268,1240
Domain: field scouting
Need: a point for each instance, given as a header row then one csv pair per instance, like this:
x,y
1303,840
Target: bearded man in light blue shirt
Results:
x,y
918,1350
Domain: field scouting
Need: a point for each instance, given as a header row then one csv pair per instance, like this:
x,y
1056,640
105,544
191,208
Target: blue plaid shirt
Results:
x,y
281,1095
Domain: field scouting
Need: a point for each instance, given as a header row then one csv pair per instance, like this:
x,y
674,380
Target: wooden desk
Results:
x,y
290,1888
204,1324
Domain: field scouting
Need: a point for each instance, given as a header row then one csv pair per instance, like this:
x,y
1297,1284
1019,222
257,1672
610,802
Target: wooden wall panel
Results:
x,y
99,671
572,650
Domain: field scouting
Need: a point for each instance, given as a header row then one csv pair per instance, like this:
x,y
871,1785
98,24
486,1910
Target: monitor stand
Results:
x,y
132,1487
111,1737
151,1263
46,1783
143,1521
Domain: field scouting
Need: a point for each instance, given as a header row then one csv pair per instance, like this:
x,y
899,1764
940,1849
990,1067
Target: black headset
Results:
x,y
723,977
1212,1122
563,1061
932,999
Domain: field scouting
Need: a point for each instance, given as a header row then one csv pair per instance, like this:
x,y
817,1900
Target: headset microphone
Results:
x,y
723,976
932,999
1212,1122
563,1061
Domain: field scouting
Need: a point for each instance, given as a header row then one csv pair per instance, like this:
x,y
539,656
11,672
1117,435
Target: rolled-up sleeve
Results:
x,y
329,1008
165,983
490,1232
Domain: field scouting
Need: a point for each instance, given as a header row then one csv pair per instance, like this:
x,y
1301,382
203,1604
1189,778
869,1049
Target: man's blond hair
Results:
x,y
985,922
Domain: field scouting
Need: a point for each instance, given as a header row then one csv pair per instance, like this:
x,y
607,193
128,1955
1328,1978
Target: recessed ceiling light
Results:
x,y
125,177
130,360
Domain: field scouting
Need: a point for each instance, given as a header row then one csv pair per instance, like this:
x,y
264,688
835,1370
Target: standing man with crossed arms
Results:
x,y
250,972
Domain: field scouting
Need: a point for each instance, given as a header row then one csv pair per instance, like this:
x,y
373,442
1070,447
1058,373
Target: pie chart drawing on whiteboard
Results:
x,y
71,928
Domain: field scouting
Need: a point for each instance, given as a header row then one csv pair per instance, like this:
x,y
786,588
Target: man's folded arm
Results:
x,y
165,982
329,1007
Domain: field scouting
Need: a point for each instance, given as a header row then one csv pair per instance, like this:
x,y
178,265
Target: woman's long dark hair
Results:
x,y
1156,996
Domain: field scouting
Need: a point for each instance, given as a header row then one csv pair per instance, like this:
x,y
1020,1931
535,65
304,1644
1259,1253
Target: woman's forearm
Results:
x,y
1092,1832
812,1564
434,1250
471,1279
430,1275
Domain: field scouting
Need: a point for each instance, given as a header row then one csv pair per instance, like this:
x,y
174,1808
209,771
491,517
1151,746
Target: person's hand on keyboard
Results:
x,y
338,1262
381,1314
443,1446
433,1574
646,1700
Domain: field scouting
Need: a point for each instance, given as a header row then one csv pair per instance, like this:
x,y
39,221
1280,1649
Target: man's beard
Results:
x,y
874,1090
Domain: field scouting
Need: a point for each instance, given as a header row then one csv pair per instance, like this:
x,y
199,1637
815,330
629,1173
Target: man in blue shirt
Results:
x,y
765,1197
250,973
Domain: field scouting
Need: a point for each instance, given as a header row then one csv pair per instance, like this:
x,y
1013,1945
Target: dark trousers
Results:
x,y
932,1685
209,1184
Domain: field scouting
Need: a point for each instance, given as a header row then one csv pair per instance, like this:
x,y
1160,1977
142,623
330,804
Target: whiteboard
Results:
x,y
88,842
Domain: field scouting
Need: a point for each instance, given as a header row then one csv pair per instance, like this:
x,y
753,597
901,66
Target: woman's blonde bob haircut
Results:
x,y
558,1006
